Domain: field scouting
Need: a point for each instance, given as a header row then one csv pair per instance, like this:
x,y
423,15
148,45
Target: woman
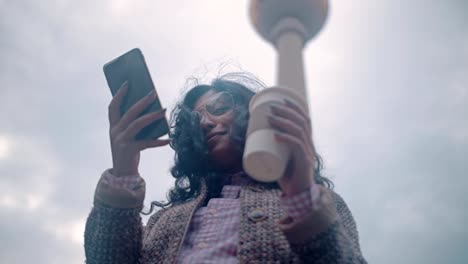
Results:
x,y
216,213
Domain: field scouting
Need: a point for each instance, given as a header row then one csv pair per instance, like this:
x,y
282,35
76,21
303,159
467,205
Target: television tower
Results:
x,y
288,25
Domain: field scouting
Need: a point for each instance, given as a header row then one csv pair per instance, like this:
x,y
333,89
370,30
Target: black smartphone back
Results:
x,y
131,67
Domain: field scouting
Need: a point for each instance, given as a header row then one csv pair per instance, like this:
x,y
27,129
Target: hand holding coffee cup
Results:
x,y
279,144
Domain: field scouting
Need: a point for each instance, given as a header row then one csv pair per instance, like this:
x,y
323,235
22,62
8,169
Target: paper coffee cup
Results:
x,y
265,159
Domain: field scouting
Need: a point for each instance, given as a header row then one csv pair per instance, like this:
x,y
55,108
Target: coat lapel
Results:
x,y
171,230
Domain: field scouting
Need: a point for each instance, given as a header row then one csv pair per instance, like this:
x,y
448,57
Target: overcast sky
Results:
x,y
388,88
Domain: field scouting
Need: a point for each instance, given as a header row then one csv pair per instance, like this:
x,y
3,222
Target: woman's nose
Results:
x,y
206,122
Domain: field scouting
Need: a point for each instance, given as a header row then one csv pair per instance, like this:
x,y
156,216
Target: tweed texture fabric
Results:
x,y
327,235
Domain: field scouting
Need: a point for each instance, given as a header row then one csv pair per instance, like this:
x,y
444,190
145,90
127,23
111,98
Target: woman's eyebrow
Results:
x,y
198,108
202,104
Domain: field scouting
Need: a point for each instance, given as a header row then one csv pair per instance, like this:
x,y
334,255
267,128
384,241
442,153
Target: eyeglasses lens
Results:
x,y
220,104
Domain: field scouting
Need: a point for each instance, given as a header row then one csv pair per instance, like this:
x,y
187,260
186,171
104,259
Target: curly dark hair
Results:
x,y
191,163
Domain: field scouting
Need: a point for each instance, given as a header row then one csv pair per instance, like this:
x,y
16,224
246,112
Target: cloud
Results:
x,y
28,173
5,146
388,88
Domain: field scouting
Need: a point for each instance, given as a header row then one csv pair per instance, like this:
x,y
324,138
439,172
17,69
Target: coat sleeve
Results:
x,y
114,229
113,235
327,235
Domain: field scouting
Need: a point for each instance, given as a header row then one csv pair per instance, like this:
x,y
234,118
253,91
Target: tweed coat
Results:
x,y
115,234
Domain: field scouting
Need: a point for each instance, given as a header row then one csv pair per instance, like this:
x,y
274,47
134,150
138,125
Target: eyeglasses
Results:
x,y
218,105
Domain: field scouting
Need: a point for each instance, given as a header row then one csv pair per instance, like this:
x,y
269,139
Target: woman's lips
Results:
x,y
214,136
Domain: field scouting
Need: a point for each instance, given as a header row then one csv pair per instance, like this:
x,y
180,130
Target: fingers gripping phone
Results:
x,y
131,67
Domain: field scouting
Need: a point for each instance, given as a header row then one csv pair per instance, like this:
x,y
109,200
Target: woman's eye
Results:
x,y
219,110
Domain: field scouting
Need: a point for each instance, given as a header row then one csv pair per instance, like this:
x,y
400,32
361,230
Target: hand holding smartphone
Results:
x,y
131,67
136,117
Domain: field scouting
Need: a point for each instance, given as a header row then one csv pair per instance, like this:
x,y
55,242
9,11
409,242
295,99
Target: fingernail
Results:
x,y
273,108
150,94
161,112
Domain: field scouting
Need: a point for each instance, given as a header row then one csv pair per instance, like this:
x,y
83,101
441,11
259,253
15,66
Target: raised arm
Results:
x,y
113,229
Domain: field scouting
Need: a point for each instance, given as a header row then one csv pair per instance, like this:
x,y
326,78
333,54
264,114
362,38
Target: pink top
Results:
x,y
213,232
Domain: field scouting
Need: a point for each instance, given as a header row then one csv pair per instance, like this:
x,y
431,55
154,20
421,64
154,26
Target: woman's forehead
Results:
x,y
203,99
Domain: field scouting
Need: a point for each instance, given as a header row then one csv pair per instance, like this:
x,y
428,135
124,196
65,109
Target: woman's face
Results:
x,y
217,119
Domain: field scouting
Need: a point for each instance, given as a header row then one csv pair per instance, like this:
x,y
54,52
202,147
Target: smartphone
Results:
x,y
131,67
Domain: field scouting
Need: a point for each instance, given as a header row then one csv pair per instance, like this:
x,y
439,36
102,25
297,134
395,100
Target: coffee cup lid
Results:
x,y
286,92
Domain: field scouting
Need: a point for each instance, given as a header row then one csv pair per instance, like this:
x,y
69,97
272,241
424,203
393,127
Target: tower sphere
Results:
x,y
267,14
